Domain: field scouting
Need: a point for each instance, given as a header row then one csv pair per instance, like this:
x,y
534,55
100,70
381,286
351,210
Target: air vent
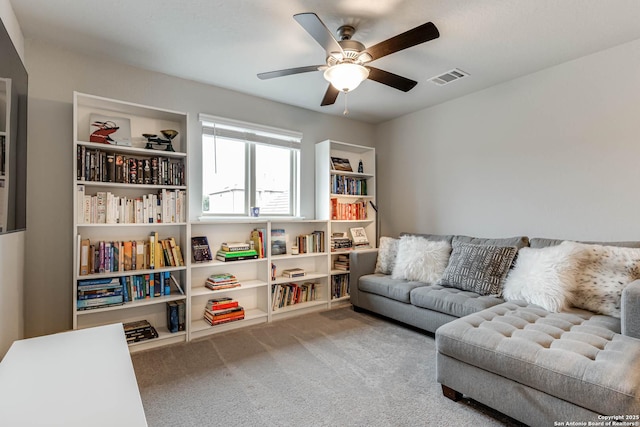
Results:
x,y
448,77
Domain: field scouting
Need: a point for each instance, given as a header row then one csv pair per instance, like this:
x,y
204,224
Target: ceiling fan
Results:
x,y
347,60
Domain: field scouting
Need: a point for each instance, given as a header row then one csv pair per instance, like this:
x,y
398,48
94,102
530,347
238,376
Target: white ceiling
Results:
x,y
227,42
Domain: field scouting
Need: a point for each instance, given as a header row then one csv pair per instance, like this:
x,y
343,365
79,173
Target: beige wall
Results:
x,y
555,153
53,76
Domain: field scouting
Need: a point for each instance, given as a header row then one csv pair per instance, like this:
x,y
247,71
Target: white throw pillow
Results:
x,y
420,259
602,277
545,276
387,253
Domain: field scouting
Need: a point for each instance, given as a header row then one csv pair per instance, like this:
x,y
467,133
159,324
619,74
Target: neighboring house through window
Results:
x,y
246,165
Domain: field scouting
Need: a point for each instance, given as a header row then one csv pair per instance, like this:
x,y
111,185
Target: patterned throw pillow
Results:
x,y
604,273
420,259
478,268
387,253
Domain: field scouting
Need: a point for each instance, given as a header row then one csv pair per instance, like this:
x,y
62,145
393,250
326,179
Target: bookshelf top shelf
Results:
x,y
352,174
123,149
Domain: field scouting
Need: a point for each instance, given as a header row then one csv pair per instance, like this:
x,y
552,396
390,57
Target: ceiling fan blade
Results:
x,y
420,34
395,81
316,28
330,96
289,71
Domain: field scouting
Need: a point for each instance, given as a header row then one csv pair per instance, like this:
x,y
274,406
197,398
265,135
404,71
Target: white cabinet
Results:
x,y
345,196
125,193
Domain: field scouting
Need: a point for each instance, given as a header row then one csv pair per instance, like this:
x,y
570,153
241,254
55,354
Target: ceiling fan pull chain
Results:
x,y
346,108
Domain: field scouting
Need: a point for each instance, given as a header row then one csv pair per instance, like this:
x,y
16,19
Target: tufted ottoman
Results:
x,y
541,368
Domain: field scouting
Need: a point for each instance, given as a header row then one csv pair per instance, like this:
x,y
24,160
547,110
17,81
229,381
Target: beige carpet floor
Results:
x,y
330,368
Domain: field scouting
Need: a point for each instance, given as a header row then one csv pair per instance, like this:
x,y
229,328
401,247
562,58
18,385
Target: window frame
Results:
x,y
252,135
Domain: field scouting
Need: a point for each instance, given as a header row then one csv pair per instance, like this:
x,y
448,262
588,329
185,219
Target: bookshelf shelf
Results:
x,y
338,208
106,170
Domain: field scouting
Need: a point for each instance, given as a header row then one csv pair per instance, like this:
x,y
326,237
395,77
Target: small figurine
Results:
x,y
360,167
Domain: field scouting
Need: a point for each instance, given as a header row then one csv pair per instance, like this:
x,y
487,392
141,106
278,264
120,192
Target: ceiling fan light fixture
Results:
x,y
346,76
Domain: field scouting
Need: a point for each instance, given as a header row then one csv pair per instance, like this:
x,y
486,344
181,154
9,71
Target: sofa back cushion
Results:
x,y
543,242
517,241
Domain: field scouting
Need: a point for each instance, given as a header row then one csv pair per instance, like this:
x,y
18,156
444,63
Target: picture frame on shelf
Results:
x,y
109,130
341,164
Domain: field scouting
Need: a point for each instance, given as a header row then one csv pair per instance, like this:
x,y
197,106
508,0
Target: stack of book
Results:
x,y
293,272
341,263
236,252
340,242
140,330
216,282
222,310
176,315
97,293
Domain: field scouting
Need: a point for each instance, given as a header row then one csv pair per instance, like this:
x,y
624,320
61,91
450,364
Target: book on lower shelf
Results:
x,y
200,248
288,294
140,330
99,293
220,316
176,316
220,281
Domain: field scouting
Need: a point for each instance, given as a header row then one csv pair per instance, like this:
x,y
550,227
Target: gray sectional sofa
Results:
x,y
544,368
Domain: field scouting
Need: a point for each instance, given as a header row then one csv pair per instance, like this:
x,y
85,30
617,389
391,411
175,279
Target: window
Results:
x,y
246,165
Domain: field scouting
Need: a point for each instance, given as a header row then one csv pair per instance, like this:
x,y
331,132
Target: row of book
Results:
x,y
292,293
140,330
167,206
339,285
311,243
348,211
223,310
104,166
219,281
347,185
105,292
114,256
176,315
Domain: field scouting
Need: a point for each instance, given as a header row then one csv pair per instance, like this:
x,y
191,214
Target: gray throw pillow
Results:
x,y
478,268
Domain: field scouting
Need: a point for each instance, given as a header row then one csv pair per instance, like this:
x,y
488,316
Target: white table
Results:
x,y
77,378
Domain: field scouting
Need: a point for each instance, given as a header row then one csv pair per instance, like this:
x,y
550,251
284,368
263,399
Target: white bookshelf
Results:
x,y
142,119
327,198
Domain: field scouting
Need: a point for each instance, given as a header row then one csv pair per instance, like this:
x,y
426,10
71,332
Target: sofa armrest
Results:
x,y
630,310
361,263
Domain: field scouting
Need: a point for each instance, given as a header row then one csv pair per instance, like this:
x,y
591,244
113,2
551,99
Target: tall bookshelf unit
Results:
x,y
253,295
141,119
345,199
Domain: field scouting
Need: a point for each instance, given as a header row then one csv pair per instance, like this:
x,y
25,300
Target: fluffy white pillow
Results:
x,y
603,276
545,276
420,259
387,253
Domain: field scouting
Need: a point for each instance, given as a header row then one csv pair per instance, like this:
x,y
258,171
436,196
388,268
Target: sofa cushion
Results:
x,y
541,242
518,241
603,274
452,301
384,285
421,259
478,268
434,237
577,356
387,252
544,276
